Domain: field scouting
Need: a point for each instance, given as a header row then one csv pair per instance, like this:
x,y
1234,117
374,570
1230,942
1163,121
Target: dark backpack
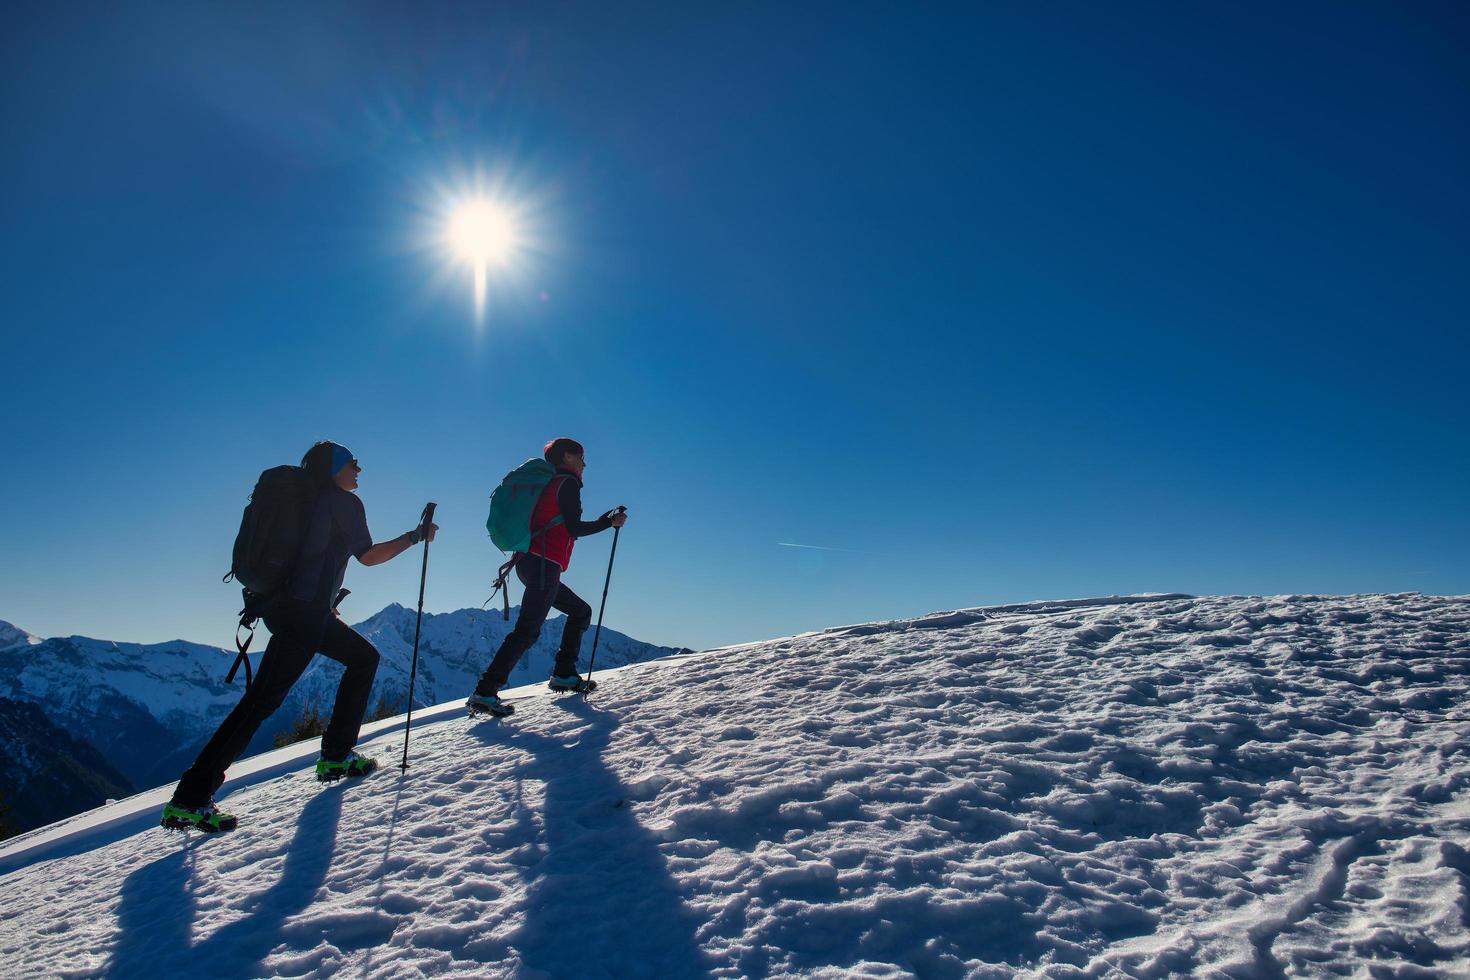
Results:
x,y
267,546
271,530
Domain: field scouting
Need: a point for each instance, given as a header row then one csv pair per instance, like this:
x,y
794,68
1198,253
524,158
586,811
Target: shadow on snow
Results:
x,y
159,901
600,900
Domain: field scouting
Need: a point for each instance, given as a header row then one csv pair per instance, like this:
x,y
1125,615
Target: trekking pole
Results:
x,y
592,660
424,522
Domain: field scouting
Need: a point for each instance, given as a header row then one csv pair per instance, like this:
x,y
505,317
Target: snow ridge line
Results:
x,y
959,618
953,619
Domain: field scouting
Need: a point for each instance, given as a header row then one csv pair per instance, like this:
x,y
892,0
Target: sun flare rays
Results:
x,y
493,225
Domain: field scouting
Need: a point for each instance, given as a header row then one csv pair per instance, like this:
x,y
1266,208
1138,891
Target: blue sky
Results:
x,y
1007,302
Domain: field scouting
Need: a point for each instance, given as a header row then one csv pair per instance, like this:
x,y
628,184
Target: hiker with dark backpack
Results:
x,y
302,525
536,512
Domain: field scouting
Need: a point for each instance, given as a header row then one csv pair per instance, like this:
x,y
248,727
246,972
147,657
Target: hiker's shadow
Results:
x,y
159,901
601,900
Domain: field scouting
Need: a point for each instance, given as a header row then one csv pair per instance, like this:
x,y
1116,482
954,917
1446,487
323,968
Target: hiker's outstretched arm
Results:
x,y
392,548
569,498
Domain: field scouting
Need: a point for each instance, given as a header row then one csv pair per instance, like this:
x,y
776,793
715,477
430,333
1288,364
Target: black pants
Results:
x,y
293,642
544,592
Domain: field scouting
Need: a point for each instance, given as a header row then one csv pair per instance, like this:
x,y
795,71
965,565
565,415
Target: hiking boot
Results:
x,y
572,684
328,771
489,704
206,818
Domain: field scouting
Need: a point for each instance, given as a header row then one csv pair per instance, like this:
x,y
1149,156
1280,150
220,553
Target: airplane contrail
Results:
x,y
819,547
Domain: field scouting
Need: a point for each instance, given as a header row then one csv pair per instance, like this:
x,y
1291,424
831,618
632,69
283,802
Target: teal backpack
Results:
x,y
509,523
513,502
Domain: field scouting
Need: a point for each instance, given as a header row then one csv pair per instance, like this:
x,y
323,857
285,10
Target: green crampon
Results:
x,y
328,771
207,819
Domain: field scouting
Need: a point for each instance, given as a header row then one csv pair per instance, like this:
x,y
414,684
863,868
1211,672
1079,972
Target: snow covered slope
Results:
x,y
1142,787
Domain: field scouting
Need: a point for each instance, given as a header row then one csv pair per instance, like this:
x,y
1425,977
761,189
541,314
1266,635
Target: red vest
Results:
x,y
556,544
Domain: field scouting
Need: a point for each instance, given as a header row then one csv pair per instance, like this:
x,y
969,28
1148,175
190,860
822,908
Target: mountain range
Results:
x,y
147,708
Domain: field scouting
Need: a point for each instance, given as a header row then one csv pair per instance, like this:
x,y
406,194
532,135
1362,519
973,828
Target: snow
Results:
x,y
1139,786
169,678
14,636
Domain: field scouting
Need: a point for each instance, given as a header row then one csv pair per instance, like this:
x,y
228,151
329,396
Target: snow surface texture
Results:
x,y
1143,787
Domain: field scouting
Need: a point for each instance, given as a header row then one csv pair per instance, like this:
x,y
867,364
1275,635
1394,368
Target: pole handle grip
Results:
x,y
428,515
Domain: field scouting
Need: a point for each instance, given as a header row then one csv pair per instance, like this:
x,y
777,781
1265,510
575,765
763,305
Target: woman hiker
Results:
x,y
303,621
540,570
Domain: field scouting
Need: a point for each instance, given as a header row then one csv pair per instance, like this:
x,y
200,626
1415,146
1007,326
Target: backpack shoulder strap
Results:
x,y
557,482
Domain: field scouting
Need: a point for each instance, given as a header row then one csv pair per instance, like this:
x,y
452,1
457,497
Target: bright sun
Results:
x,y
481,233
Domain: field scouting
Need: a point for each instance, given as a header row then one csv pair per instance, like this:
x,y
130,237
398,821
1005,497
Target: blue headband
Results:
x,y
341,456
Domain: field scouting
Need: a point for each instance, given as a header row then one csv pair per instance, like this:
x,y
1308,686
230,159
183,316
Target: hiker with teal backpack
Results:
x,y
536,513
300,528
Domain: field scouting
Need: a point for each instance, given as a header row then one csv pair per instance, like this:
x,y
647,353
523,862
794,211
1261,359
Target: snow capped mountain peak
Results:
x,y
14,636
393,615
1140,786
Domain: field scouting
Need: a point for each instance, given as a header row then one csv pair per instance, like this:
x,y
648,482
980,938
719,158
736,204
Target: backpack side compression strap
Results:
x,y
502,582
244,655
